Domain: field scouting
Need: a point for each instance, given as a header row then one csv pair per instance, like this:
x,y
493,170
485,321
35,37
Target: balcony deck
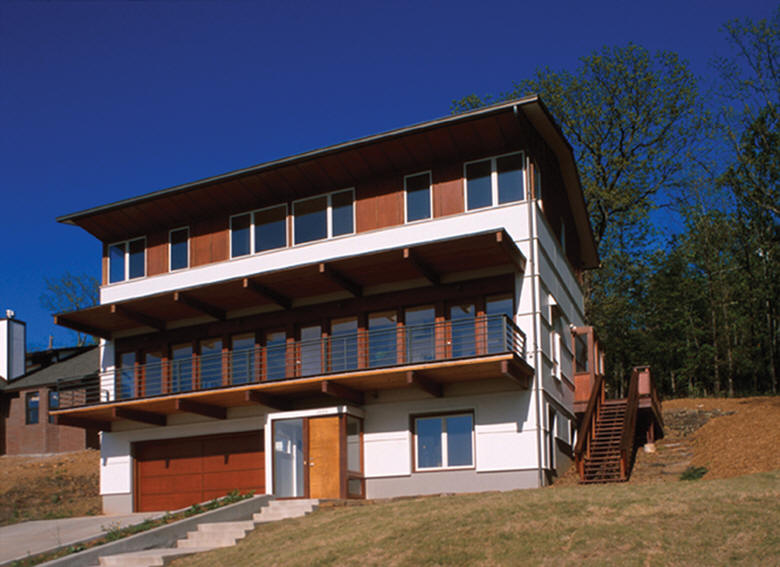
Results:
x,y
345,368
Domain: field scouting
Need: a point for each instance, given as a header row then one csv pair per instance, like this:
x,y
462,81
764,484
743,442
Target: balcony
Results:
x,y
342,366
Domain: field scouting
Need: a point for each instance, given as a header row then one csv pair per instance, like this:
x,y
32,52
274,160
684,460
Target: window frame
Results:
x,y
170,248
126,255
429,172
413,419
494,195
252,230
28,397
328,216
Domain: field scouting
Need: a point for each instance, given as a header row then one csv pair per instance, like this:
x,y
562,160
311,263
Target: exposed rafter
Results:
x,y
81,328
343,392
273,402
514,372
425,384
334,275
140,416
198,305
267,293
82,422
139,318
421,266
200,408
511,250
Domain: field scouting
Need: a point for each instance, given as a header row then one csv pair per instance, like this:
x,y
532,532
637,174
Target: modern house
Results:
x,y
388,316
28,389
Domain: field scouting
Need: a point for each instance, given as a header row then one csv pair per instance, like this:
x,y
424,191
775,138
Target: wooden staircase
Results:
x,y
603,463
610,431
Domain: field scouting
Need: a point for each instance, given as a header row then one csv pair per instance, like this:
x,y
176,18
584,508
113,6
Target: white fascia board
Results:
x,y
511,218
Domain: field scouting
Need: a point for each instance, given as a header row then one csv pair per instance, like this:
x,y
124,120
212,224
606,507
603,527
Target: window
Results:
x,y
275,355
127,260
495,181
152,384
210,363
258,231
462,319
382,340
418,196
498,333
242,361
125,387
31,402
179,252
54,403
420,333
310,350
323,217
181,368
444,441
343,344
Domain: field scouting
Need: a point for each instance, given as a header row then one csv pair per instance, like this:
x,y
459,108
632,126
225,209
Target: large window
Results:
x,y
127,260
323,217
181,367
179,248
420,333
495,181
382,338
258,231
210,363
242,362
444,441
125,387
418,196
343,344
31,404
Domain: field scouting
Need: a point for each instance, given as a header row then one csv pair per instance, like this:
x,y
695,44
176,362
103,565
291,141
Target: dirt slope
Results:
x,y
57,486
730,437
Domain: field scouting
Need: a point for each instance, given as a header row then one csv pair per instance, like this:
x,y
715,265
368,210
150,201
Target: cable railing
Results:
x,y
284,360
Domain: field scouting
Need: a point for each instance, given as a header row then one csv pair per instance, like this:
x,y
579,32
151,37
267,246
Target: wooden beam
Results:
x,y
139,415
512,371
199,305
200,408
342,280
81,327
82,422
425,384
267,293
421,266
511,250
273,402
139,318
344,392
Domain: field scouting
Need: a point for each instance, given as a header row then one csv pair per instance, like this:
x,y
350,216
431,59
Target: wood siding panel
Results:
x,y
209,241
448,190
157,253
380,204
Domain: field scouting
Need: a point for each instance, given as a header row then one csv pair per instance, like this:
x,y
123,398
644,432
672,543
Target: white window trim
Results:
x,y
126,245
444,448
328,216
170,248
430,196
494,181
252,214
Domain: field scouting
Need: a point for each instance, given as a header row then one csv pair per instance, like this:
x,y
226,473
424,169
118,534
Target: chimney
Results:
x,y
12,346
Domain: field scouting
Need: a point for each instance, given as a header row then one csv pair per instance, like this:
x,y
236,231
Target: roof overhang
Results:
x,y
428,264
484,131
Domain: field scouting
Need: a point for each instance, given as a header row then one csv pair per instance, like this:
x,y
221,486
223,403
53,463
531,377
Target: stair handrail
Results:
x,y
588,425
629,424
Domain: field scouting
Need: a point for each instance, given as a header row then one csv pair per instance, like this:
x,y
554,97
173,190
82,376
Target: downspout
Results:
x,y
535,302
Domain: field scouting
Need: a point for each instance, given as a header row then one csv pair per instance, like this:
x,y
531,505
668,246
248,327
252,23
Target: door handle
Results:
x,y
311,463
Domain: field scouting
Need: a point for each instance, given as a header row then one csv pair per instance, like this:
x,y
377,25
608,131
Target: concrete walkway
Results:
x,y
29,538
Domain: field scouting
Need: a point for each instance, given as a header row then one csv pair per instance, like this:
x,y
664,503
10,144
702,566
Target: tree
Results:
x,y
70,292
633,120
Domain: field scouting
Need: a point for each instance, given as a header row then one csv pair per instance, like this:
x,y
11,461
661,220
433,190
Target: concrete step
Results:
x,y
203,539
148,558
244,526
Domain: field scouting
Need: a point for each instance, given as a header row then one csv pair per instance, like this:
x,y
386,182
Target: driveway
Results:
x,y
28,538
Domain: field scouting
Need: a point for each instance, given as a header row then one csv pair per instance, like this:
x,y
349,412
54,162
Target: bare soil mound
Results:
x,y
44,487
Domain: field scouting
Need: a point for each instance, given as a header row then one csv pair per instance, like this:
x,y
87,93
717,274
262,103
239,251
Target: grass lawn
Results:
x,y
705,522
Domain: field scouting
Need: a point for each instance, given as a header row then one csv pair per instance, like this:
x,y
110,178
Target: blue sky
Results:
x,y
101,101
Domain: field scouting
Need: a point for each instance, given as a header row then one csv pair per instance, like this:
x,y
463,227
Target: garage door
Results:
x,y
175,473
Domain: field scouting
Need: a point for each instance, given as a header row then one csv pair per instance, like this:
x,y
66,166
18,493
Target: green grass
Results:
x,y
710,522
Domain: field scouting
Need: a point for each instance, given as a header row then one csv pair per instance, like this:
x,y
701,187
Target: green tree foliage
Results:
x,y
70,292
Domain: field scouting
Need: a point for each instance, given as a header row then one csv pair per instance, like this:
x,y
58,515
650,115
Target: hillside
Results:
x,y
57,486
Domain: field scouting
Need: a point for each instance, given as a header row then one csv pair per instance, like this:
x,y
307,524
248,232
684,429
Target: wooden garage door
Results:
x,y
175,473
